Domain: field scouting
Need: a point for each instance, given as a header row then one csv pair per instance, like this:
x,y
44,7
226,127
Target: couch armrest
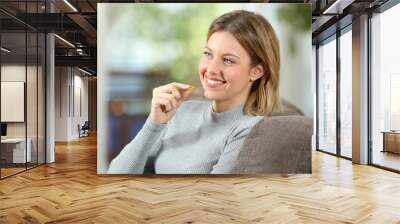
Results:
x,y
277,144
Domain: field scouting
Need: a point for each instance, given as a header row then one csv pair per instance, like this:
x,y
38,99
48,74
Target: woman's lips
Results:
x,y
214,83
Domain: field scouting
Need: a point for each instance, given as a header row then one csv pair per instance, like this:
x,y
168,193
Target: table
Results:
x,y
391,141
17,150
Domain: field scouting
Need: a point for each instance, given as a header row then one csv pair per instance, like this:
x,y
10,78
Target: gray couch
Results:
x,y
280,144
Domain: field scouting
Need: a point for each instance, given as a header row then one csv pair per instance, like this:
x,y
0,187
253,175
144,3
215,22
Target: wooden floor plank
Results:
x,y
70,191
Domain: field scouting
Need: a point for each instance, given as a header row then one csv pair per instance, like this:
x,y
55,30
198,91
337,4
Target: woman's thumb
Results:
x,y
187,92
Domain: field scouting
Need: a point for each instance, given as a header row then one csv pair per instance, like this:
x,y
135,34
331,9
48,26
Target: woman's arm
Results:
x,y
164,104
133,157
230,154
233,145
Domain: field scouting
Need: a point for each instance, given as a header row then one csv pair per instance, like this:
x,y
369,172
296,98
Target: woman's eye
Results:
x,y
208,54
228,61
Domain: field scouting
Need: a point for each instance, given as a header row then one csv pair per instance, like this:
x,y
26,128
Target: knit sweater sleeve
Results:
x,y
132,159
232,148
230,154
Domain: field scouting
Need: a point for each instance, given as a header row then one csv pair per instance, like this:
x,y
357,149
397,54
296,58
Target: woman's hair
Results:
x,y
256,35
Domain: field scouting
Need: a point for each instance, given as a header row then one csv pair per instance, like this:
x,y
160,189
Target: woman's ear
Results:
x,y
257,72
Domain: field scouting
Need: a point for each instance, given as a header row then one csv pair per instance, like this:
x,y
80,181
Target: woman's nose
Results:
x,y
213,66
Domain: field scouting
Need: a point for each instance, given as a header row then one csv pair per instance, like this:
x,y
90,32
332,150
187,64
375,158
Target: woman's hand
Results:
x,y
166,100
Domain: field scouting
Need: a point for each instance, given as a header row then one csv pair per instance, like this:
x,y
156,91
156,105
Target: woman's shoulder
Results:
x,y
245,124
250,120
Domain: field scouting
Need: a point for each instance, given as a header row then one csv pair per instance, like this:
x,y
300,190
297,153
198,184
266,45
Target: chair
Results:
x,y
84,130
279,144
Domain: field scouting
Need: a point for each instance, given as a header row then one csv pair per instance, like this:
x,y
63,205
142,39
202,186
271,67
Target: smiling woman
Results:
x,y
239,72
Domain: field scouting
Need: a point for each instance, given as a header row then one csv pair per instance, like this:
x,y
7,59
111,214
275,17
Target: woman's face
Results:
x,y
225,69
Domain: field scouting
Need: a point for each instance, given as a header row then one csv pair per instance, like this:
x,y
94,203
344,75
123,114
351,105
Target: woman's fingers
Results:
x,y
165,101
169,97
180,86
187,92
162,102
174,93
172,88
180,91
169,88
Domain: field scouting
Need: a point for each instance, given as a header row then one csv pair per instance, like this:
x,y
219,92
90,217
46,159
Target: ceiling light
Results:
x,y
329,9
5,49
84,71
338,6
64,40
70,5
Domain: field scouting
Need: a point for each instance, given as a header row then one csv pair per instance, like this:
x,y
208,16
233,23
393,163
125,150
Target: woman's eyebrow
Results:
x,y
232,55
227,54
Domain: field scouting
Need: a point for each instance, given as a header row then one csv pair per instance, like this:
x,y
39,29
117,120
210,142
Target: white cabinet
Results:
x,y
18,149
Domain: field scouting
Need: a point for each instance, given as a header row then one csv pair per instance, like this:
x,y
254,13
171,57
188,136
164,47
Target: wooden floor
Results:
x,y
5,172
70,191
387,159
10,171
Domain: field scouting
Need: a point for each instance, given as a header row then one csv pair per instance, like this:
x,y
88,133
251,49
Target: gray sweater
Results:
x,y
196,140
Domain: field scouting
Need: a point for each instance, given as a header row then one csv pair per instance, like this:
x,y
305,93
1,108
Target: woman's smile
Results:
x,y
214,83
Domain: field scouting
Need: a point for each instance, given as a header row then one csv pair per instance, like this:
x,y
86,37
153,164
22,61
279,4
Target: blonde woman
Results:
x,y
239,73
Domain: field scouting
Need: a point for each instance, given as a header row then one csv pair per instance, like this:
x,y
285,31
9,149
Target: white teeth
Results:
x,y
214,82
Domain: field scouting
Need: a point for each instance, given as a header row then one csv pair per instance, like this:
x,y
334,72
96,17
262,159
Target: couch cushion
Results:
x,y
277,144
287,109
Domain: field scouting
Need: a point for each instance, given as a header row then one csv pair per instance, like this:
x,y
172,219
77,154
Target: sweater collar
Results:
x,y
231,115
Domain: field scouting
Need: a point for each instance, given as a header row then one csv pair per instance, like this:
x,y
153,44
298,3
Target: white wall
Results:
x,y
61,103
79,117
33,126
16,73
70,83
12,73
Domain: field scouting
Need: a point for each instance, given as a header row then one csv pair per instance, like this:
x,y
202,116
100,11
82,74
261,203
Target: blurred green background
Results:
x,y
168,39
